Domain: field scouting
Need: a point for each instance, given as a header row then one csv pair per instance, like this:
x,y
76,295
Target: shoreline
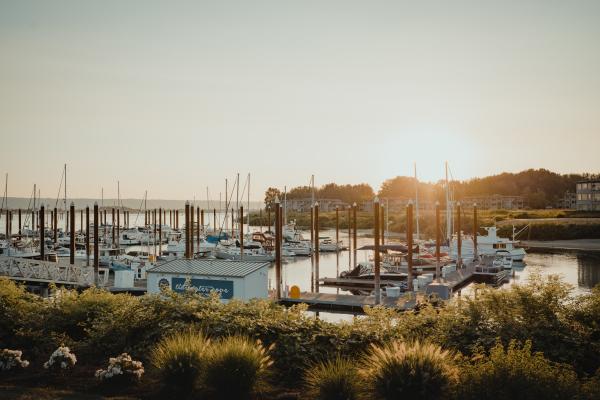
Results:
x,y
567,245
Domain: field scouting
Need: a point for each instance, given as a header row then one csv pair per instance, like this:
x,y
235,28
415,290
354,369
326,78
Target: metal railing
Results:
x,y
45,271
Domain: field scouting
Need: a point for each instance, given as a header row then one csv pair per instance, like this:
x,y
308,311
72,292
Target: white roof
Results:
x,y
230,268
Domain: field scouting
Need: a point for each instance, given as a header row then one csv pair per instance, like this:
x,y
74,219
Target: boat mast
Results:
x,y
417,200
448,209
248,230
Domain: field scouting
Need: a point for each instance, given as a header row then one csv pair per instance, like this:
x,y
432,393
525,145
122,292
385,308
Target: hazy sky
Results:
x,y
175,96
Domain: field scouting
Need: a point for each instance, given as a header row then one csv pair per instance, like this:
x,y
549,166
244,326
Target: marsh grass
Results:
x,y
237,368
336,379
180,359
409,370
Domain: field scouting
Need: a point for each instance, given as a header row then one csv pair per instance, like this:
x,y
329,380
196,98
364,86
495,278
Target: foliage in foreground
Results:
x,y
335,379
409,370
516,373
95,324
180,359
236,368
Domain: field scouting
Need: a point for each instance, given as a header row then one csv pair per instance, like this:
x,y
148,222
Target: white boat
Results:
x,y
298,248
326,244
250,254
487,245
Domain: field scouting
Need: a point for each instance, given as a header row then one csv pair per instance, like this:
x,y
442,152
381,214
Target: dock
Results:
x,y
347,302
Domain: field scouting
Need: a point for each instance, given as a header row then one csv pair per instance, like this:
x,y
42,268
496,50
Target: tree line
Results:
x,y
540,188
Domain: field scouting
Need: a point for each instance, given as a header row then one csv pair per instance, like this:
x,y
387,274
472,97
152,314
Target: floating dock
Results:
x,y
348,302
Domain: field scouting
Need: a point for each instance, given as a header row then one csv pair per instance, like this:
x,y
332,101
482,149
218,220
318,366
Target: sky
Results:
x,y
173,97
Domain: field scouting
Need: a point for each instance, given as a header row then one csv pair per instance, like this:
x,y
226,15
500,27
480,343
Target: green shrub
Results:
x,y
237,367
516,373
416,370
180,359
336,379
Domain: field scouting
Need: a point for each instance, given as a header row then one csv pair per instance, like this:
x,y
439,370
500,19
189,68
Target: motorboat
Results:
x,y
487,244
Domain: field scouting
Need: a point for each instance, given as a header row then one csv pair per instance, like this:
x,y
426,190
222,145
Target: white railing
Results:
x,y
44,271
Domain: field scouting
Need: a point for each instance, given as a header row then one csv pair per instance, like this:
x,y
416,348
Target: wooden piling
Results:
x,y
458,236
277,251
215,220
349,238
232,224
96,252
201,222
55,226
316,211
377,280
72,232
81,220
355,234
87,234
337,225
198,218
42,233
154,229
475,229
191,231
241,232
382,223
269,218
187,230
20,226
437,241
160,222
409,244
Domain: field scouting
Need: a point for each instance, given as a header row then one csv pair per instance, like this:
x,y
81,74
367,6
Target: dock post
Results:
x,y
312,226
232,224
409,243
118,228
191,231
87,234
241,232
32,222
72,229
377,280
349,238
277,250
201,222
316,208
437,241
475,229
96,252
337,226
215,220
177,218
198,226
81,220
381,222
55,226
113,241
42,233
354,238
154,229
160,222
458,237
187,229
19,215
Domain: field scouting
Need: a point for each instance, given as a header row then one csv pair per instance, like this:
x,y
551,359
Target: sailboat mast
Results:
x,y
448,208
417,200
248,202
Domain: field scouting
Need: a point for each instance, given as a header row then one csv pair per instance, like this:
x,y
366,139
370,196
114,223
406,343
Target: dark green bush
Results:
x,y
336,379
236,368
516,373
399,370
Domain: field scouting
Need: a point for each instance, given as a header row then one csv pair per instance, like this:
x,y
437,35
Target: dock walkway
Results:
x,y
347,302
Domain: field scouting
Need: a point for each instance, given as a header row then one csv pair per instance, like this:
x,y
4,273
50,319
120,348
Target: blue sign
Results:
x,y
204,286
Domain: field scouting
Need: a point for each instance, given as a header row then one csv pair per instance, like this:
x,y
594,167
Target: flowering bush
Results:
x,y
10,359
62,358
122,366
